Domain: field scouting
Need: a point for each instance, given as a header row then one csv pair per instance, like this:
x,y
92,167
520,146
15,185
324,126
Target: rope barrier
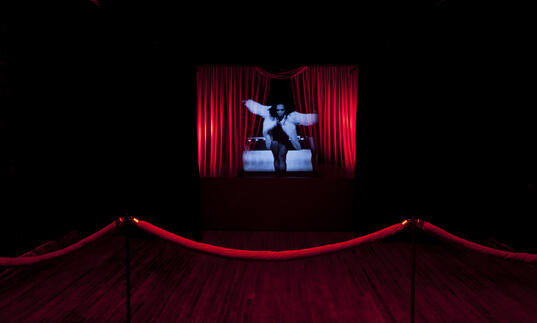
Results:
x,y
21,261
448,237
267,255
270,255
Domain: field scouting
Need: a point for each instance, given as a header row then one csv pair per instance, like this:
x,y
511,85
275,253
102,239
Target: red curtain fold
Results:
x,y
281,75
223,122
332,91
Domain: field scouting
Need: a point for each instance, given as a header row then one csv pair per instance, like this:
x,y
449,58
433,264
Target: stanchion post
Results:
x,y
126,231
413,271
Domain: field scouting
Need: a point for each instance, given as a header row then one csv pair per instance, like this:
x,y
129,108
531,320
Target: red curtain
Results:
x,y
333,92
223,122
282,75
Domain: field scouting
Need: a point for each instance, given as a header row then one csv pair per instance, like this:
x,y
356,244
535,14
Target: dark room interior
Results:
x,y
99,125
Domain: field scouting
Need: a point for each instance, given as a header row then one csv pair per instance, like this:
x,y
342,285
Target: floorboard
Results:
x,y
368,283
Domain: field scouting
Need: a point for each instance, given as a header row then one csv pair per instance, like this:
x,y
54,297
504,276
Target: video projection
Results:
x,y
280,149
253,120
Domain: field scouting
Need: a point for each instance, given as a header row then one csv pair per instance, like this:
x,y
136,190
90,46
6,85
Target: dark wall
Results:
x,y
100,114
441,136
99,121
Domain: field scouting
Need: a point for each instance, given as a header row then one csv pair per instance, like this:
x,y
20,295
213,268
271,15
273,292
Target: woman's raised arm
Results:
x,y
256,108
304,119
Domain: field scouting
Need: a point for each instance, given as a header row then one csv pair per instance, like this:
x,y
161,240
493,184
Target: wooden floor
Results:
x,y
369,283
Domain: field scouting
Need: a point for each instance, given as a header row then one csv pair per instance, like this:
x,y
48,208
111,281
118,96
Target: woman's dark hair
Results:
x,y
287,107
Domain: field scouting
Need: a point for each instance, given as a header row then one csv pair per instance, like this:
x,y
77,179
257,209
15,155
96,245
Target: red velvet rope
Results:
x,y
21,261
268,255
446,236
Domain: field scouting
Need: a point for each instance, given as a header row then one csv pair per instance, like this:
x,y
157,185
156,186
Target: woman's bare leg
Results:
x,y
282,156
275,147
